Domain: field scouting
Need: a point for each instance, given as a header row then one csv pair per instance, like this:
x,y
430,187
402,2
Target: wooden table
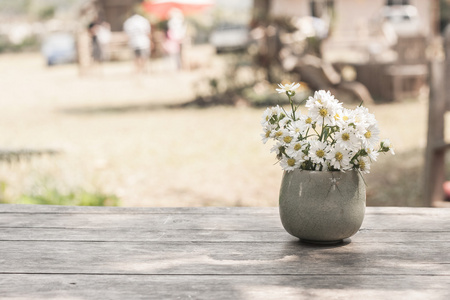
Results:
x,y
49,252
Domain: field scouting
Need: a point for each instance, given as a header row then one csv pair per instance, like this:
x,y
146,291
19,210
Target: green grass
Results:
x,y
42,193
79,198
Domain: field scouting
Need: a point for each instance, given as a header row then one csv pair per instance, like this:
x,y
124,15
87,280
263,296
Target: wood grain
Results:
x,y
365,235
54,252
57,286
229,258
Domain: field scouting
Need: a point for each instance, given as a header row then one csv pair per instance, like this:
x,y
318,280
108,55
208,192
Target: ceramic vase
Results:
x,y
322,207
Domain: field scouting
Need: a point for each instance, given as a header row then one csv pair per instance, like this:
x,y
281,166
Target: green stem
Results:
x,y
323,127
292,106
316,132
355,156
285,112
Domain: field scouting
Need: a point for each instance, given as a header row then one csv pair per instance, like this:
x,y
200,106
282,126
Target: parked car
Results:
x,y
229,37
59,48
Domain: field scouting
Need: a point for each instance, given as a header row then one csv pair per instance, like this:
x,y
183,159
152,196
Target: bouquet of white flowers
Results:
x,y
328,138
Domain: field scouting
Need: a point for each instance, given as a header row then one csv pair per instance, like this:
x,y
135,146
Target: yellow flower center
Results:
x,y
323,112
362,165
308,121
287,139
320,153
278,134
336,116
268,133
368,134
345,118
345,136
291,162
338,156
297,147
319,100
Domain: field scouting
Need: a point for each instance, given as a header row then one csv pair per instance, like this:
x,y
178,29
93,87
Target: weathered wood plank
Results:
x,y
32,209
39,286
148,221
291,258
198,235
244,221
25,208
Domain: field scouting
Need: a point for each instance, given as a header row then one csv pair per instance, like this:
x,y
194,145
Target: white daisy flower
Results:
x,y
282,135
278,149
360,120
266,116
323,108
339,158
386,146
321,98
287,88
308,122
363,165
298,127
318,152
289,163
347,138
344,117
372,154
371,136
362,117
295,149
267,134
271,115
322,115
287,139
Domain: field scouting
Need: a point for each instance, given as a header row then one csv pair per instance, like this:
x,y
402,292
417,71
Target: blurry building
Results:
x,y
383,40
115,12
354,22
349,16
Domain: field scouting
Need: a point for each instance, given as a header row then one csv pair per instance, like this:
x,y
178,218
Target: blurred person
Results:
x,y
104,39
138,30
96,50
175,35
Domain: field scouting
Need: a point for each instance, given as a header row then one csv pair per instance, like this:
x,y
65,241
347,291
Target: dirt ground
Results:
x,y
115,136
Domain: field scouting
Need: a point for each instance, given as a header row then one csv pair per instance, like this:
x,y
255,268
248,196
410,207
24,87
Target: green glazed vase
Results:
x,y
322,207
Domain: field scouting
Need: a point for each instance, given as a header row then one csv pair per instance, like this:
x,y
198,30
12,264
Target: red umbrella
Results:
x,y
162,8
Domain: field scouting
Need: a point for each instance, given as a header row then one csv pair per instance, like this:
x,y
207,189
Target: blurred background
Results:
x,y
81,124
